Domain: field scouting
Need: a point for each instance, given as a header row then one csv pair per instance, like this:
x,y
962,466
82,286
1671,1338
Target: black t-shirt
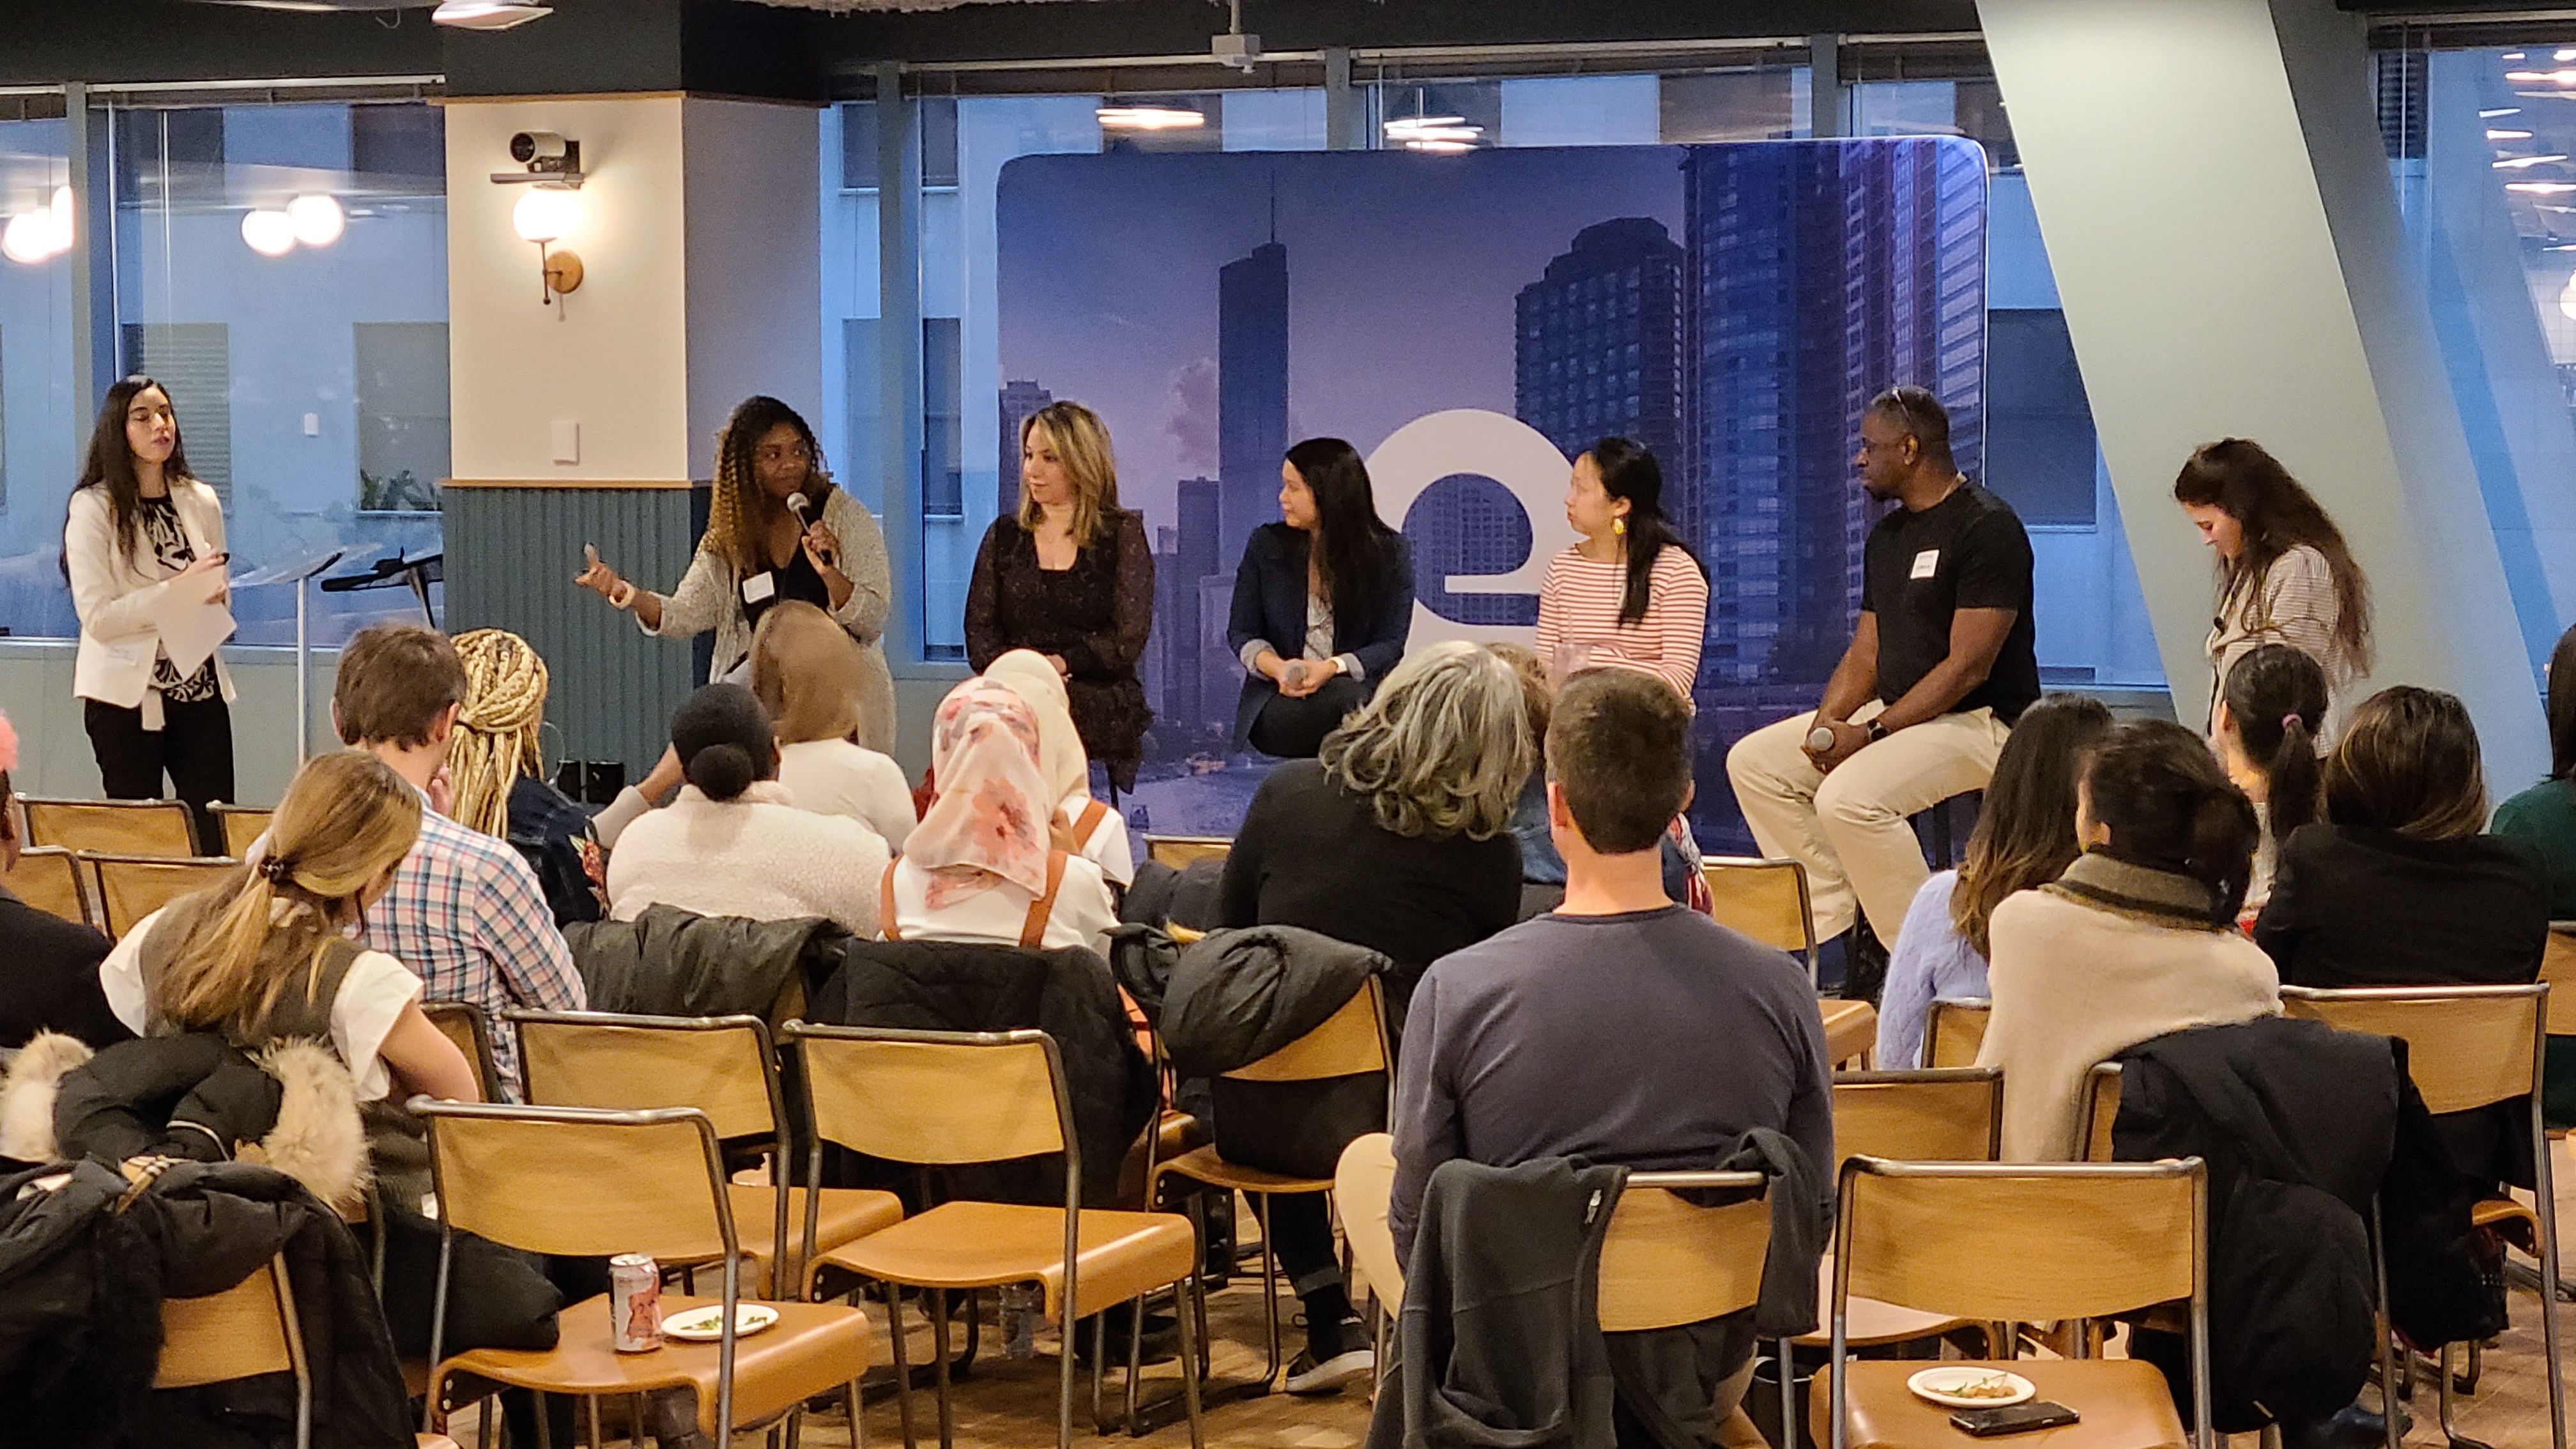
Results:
x,y
1967,551
795,579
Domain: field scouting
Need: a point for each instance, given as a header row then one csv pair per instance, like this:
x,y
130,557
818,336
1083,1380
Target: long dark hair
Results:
x,y
1353,548
739,507
110,463
2025,835
2239,477
1628,471
2562,708
2171,808
2409,762
2276,700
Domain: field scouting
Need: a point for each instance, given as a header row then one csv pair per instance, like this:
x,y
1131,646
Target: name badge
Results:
x,y
762,586
1925,562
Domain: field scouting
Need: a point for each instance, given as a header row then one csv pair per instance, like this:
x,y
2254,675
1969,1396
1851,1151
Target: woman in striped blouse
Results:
x,y
2285,575
1630,593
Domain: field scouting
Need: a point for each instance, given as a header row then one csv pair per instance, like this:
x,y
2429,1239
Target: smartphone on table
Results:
x,y
2013,1418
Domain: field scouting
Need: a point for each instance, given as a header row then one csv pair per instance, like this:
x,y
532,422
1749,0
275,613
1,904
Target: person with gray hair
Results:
x,y
1395,838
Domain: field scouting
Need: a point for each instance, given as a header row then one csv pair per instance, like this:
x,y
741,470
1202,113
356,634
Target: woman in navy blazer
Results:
x,y
1322,602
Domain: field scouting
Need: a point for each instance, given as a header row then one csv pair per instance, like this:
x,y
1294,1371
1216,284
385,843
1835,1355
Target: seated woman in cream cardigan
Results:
x,y
2135,940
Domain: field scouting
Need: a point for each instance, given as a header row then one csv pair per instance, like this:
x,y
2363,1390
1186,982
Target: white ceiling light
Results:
x,y
2517,163
2554,77
2541,188
269,233
2567,299
28,238
2495,134
1149,118
1443,134
488,14
2493,112
546,215
318,219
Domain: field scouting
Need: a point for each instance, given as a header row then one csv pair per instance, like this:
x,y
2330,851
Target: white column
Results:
x,y
2226,241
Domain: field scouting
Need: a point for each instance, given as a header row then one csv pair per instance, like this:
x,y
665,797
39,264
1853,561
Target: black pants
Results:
x,y
1301,1233
1294,729
194,747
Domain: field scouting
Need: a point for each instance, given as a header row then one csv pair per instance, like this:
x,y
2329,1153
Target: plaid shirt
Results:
x,y
466,915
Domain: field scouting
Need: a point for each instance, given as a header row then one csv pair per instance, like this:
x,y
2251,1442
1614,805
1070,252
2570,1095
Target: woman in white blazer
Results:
x,y
143,547
757,551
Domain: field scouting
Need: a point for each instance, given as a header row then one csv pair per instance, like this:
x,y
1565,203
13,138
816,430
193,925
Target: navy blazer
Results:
x,y
1270,603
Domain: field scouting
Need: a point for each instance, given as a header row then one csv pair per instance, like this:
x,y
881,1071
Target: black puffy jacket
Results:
x,y
671,962
1235,997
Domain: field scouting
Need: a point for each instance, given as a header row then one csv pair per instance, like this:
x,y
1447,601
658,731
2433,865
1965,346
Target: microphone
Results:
x,y
797,505
1820,739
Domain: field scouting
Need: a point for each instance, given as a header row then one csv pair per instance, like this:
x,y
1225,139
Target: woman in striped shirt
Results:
x,y
1630,593
2285,575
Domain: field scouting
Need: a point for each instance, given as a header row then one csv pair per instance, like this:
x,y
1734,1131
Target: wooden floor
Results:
x,y
1011,1405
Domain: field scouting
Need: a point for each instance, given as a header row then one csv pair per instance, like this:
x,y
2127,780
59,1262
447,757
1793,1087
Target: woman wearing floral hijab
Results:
x,y
985,865
1096,830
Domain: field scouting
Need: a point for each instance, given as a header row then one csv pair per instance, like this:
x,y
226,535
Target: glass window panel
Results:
x,y
43,423
309,377
1282,120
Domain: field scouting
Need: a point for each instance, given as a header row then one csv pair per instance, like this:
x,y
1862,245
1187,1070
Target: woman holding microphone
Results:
x,y
777,529
1071,577
143,549
1322,603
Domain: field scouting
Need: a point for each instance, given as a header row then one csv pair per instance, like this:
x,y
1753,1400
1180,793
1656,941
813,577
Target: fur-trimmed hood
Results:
x,y
294,1107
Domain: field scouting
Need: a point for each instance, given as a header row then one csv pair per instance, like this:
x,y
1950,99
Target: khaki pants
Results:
x,y
1849,828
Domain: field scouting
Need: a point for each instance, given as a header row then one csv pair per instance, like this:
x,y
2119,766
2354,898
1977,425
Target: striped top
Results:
x,y
2292,602
1578,617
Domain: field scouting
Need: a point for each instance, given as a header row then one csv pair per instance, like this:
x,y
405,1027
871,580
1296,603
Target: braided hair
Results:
x,y
739,512
496,731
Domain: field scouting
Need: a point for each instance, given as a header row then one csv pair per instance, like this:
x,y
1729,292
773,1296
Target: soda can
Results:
x,y
635,1302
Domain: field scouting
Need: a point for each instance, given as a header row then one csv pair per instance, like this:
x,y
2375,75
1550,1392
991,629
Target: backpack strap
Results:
x,y
1093,812
1033,931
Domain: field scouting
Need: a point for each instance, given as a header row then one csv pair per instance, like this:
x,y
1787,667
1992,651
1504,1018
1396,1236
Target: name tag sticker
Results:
x,y
1925,562
762,586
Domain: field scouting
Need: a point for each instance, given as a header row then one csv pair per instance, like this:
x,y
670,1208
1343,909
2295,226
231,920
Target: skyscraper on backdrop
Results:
x,y
1599,347
1021,400
1252,391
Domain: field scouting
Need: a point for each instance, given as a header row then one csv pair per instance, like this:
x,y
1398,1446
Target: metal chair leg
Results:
x,y
1189,1374
2450,1430
635,1421
1269,1289
2386,1326
902,1364
590,1403
1136,1353
858,1425
1099,1373
939,1361
1788,1395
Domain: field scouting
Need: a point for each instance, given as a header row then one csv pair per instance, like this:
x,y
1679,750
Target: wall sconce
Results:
x,y
545,216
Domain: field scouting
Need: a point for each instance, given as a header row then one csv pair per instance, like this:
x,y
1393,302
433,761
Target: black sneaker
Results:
x,y
1333,1356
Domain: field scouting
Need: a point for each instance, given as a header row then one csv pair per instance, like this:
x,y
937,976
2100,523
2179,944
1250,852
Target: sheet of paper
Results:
x,y
191,622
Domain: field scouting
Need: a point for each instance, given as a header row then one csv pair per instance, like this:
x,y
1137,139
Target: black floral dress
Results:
x,y
168,541
1097,614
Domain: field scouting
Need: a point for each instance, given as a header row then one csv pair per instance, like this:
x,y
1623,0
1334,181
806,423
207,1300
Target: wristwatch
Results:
x,y
1877,731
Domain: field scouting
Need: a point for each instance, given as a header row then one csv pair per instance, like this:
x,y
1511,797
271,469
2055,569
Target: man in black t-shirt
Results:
x,y
1940,666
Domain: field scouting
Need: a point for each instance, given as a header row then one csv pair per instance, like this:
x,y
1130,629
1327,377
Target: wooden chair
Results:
x,y
1766,900
48,877
131,887
111,827
1953,1031
247,1330
1994,1242
1851,1029
1177,851
583,1183
464,1023
2101,1109
724,1067
1351,1042
2468,1047
1666,1262
955,1098
243,825
1948,1114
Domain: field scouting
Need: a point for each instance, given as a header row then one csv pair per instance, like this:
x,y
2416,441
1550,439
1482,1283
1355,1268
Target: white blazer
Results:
x,y
114,592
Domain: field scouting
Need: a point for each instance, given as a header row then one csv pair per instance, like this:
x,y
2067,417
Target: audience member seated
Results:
x,y
2266,725
1092,829
2398,886
2025,838
1396,838
265,958
2544,816
1542,869
1621,1028
2136,939
497,773
808,673
50,981
466,913
732,844
985,865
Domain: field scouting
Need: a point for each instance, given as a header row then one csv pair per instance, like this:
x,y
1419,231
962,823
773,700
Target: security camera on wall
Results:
x,y
550,159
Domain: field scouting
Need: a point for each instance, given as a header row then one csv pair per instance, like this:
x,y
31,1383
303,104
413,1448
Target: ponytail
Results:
x,y
2220,854
2276,702
2297,778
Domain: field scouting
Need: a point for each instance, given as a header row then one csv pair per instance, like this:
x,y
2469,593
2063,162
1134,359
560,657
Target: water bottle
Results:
x,y
1022,1307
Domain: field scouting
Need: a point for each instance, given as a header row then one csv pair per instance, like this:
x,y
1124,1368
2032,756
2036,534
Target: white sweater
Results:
x,y
2076,984
756,856
835,777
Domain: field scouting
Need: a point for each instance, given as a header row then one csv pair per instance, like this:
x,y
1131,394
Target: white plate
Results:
x,y
706,1325
1941,1386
